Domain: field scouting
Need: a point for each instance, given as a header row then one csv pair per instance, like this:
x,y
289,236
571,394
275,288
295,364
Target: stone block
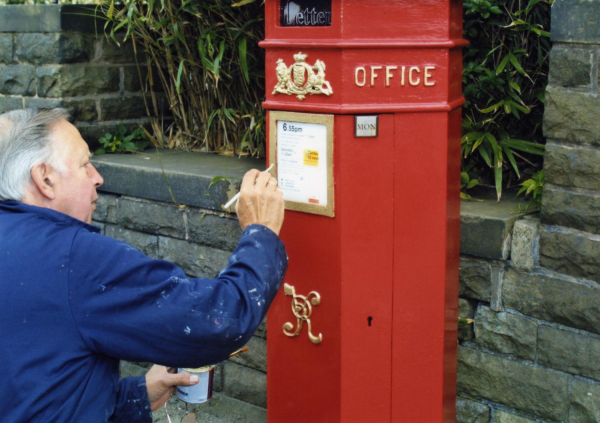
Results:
x,y
502,417
486,226
552,298
570,66
106,208
468,411
570,352
466,310
525,387
585,402
131,77
524,248
505,332
475,279
80,110
151,217
30,18
572,166
572,116
10,103
256,356
576,21
53,48
109,51
245,384
6,49
219,232
188,175
571,252
77,80
17,80
42,103
147,244
123,107
572,208
194,259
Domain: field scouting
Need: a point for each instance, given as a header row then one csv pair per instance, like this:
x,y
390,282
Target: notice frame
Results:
x,y
311,118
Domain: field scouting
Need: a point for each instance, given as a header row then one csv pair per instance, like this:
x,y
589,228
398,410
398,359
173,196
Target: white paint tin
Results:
x,y
202,391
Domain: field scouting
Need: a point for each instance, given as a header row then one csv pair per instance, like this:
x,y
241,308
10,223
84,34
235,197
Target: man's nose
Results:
x,y
98,179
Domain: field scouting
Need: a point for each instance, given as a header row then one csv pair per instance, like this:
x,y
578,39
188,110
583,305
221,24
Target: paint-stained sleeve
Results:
x,y
132,404
128,306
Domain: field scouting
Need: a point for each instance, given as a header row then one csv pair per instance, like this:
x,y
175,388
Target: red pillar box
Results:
x,y
363,101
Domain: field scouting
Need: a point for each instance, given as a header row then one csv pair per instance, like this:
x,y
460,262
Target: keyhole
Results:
x,y
369,319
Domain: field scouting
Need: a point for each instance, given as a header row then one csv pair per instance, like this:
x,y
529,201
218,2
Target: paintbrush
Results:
x,y
238,352
235,197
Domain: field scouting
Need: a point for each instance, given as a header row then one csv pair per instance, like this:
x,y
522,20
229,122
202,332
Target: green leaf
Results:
x,y
511,159
242,48
217,179
472,183
464,177
498,179
242,3
100,151
179,72
502,65
516,64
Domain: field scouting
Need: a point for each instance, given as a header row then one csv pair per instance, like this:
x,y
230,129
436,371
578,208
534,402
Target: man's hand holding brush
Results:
x,y
260,201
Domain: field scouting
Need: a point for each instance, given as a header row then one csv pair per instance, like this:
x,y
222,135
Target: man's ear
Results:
x,y
44,179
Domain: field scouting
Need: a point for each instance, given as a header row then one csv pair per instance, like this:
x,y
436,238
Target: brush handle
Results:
x,y
235,197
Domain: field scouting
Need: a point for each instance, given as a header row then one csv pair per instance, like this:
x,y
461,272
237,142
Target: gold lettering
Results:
x,y
402,82
428,75
388,74
410,76
373,74
364,76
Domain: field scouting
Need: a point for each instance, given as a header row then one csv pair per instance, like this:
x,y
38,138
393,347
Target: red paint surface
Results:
x,y
391,252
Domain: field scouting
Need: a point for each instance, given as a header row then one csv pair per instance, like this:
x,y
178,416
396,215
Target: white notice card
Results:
x,y
302,162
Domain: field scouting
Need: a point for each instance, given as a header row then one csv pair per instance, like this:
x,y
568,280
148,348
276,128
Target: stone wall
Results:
x,y
56,55
532,353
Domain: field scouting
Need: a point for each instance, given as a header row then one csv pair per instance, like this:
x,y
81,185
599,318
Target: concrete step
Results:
x,y
220,409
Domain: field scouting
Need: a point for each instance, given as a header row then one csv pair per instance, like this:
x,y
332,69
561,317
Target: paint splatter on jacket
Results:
x,y
75,302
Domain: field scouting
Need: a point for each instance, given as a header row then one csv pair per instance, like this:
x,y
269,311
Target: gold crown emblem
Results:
x,y
301,79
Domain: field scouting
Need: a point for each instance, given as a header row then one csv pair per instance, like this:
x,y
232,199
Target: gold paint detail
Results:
x,y
307,80
410,76
428,75
364,76
302,307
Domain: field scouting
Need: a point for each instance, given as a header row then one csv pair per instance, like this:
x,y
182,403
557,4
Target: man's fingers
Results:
x,y
249,178
263,179
184,379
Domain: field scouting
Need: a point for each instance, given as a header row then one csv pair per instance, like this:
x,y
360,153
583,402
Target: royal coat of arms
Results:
x,y
301,79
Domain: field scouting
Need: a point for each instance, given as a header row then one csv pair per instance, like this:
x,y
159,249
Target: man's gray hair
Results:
x,y
26,141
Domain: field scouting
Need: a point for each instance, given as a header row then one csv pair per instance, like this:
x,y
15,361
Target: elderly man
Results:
x,y
75,302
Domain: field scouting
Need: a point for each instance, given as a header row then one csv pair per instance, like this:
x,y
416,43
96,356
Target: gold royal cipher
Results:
x,y
307,80
302,309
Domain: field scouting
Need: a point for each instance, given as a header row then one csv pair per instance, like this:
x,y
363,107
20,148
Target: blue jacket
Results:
x,y
74,302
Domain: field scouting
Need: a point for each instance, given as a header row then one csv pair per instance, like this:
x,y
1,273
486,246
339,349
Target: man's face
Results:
x,y
75,189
